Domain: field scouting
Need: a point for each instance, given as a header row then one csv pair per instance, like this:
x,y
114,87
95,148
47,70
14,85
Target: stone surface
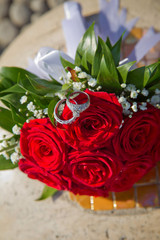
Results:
x,y
22,1
38,6
19,14
7,32
4,6
54,3
34,17
24,218
147,11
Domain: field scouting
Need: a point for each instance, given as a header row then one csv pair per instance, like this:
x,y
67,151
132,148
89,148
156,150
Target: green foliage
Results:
x,y
6,121
65,63
47,192
101,61
87,46
124,69
51,108
6,164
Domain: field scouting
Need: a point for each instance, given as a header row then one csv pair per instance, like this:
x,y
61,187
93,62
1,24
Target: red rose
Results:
x,y
41,143
33,171
96,124
156,152
131,173
138,134
92,172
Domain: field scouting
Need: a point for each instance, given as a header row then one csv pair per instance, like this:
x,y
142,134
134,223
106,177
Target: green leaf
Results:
x,y
108,75
13,73
5,83
6,121
47,192
6,164
87,45
54,81
66,86
17,116
108,42
124,69
109,62
153,88
106,80
43,86
14,89
13,99
65,63
116,51
154,76
97,60
84,63
51,108
136,77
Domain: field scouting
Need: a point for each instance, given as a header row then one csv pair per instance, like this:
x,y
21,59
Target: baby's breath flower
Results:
x,y
82,75
16,130
133,94
131,87
28,120
155,99
5,155
69,75
141,107
121,99
45,111
123,85
125,105
31,107
144,104
60,95
61,78
145,92
92,82
126,112
17,149
39,114
14,157
157,91
99,88
134,107
12,141
77,69
77,86
158,106
35,113
4,144
83,85
23,99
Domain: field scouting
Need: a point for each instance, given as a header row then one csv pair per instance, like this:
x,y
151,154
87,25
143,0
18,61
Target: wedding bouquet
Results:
x,y
94,130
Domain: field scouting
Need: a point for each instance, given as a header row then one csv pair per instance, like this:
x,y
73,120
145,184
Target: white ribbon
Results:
x,y
47,63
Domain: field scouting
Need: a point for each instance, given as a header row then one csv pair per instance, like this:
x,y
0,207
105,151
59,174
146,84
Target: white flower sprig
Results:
x,y
130,93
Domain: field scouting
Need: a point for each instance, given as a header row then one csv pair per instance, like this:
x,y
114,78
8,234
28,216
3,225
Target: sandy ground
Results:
x,y
21,217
